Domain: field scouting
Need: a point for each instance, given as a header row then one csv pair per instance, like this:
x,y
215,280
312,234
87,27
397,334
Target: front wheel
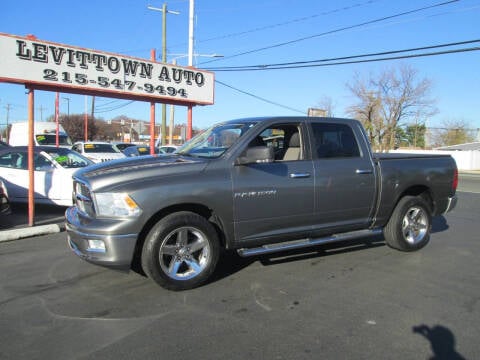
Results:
x,y
409,226
181,251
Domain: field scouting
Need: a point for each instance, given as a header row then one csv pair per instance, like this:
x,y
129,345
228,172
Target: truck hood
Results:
x,y
114,174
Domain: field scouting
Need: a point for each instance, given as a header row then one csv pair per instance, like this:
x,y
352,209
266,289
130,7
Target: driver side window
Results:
x,y
285,140
41,163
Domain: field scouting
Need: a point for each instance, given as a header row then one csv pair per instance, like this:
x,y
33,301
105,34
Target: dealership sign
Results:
x,y
57,67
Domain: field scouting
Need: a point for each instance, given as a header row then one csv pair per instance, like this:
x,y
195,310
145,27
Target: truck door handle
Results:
x,y
364,171
299,175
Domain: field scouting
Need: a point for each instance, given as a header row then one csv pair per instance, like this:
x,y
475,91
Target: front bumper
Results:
x,y
118,248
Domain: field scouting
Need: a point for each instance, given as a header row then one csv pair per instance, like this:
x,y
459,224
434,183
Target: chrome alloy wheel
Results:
x,y
184,253
415,225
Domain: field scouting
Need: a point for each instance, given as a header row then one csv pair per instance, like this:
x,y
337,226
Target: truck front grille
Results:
x,y
83,198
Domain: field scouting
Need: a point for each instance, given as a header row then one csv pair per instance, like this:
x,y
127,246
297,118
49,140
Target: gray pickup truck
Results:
x,y
257,186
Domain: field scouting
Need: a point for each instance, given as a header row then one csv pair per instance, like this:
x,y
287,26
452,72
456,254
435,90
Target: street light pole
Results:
x,y
68,104
164,59
191,12
190,63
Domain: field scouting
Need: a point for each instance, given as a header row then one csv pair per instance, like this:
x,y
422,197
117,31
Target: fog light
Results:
x,y
96,245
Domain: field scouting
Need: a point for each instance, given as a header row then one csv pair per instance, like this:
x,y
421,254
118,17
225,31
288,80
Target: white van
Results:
x,y
44,134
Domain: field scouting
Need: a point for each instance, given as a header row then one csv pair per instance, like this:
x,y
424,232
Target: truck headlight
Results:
x,y
116,205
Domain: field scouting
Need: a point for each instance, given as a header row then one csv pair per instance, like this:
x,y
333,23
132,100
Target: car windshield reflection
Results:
x,y
68,159
215,141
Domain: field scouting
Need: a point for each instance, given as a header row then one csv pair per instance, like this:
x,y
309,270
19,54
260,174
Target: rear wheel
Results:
x,y
409,226
181,251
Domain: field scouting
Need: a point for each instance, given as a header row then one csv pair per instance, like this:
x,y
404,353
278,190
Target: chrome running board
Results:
x,y
303,243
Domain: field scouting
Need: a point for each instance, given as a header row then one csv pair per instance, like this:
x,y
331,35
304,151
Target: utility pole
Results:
x,y
164,59
172,117
6,129
41,112
170,127
93,108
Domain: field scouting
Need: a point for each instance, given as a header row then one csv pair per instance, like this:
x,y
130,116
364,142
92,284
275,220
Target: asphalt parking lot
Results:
x,y
356,300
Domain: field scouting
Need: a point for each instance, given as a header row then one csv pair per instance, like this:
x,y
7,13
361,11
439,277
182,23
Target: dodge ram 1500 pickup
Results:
x,y
257,186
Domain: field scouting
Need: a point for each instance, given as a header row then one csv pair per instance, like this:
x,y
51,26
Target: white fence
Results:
x,y
466,160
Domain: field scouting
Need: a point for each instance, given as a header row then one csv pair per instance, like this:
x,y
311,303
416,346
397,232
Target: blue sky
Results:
x,y
230,28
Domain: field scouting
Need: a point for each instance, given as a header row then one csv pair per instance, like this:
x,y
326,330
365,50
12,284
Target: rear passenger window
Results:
x,y
15,160
334,141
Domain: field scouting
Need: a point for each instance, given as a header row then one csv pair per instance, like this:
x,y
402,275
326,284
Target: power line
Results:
x,y
340,60
297,20
272,26
114,107
110,102
260,98
315,63
335,31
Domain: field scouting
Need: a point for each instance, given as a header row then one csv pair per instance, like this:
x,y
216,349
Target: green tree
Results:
x,y
415,135
401,138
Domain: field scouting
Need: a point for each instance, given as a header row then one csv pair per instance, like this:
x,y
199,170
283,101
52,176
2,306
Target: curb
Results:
x,y
16,234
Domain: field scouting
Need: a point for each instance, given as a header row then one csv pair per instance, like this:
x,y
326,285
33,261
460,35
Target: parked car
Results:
x,y
98,151
122,145
168,149
235,187
4,201
138,150
44,133
53,170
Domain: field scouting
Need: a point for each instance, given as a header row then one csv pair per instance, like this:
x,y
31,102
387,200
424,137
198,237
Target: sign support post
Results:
x,y
57,110
152,113
31,178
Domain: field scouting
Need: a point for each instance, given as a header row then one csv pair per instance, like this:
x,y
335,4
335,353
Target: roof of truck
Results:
x,y
285,118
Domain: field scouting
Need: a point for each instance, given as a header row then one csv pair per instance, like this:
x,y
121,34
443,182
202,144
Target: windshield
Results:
x,y
50,139
68,158
100,148
215,141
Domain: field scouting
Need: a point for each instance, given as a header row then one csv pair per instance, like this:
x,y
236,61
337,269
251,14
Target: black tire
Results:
x,y
181,251
409,226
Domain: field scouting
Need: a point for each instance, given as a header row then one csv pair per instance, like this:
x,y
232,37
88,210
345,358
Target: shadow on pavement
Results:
x,y
442,341
230,262
340,247
439,224
43,215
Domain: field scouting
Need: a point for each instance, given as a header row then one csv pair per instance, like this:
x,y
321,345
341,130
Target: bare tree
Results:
x,y
74,125
388,101
452,132
367,110
326,103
